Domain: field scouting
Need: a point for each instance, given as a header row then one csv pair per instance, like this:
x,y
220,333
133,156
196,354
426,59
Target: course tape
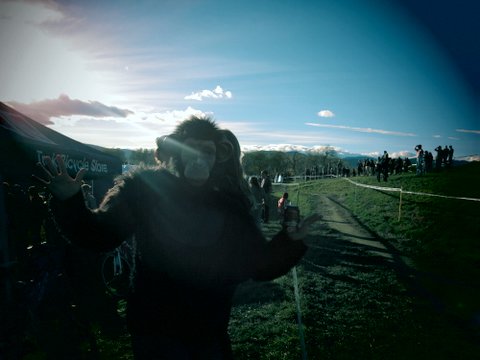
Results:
x,y
286,184
305,261
410,192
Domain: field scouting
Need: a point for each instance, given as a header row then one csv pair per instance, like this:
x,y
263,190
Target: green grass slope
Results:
x,y
369,312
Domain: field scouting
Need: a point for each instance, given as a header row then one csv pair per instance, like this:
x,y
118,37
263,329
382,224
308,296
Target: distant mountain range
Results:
x,y
307,150
340,153
320,150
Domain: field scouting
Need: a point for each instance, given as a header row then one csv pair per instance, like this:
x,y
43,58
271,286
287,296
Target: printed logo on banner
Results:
x,y
76,164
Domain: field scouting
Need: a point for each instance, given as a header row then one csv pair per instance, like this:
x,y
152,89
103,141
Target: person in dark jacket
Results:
x,y
195,235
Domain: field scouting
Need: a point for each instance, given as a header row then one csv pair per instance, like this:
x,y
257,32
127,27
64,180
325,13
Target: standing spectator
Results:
x,y
420,160
398,165
406,164
445,155
385,165
378,168
282,205
371,167
439,157
450,155
428,156
360,168
266,185
258,199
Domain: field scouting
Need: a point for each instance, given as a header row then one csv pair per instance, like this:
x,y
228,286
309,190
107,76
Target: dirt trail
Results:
x,y
357,284
340,220
342,233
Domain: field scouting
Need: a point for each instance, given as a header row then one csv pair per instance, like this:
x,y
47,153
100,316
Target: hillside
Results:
x,y
373,286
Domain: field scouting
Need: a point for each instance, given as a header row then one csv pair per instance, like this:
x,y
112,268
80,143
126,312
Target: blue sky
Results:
x,y
361,76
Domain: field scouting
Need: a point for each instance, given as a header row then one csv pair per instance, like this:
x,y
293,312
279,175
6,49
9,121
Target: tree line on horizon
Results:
x,y
275,162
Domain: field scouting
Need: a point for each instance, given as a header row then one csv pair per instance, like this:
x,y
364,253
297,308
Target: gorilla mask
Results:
x,y
198,158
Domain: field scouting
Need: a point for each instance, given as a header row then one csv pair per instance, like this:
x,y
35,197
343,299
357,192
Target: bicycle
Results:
x,y
118,269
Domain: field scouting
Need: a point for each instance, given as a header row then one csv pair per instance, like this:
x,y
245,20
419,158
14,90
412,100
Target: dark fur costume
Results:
x,y
195,245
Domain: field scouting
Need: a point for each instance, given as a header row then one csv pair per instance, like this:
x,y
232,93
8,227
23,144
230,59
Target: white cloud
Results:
x,y
217,93
468,131
176,116
42,111
137,130
365,130
37,64
437,136
325,113
110,133
29,12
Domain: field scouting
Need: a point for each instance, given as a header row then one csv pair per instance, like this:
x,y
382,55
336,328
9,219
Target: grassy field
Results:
x,y
440,234
359,313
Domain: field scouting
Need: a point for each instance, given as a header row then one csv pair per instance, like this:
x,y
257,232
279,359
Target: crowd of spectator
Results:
x,y
381,167
443,159
425,163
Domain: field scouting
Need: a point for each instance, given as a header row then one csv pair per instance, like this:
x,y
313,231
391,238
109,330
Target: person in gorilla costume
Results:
x,y
196,240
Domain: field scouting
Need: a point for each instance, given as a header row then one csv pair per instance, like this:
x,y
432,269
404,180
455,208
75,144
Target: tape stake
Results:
x,y
299,313
381,188
400,206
